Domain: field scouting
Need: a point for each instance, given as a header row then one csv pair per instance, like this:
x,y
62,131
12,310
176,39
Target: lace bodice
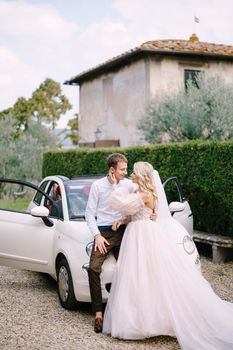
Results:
x,y
142,214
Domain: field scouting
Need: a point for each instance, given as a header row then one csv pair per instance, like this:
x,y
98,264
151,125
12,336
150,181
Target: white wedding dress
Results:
x,y
156,290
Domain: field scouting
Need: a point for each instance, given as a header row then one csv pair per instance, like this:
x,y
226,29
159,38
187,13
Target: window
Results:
x,y
54,191
15,197
38,196
191,74
173,190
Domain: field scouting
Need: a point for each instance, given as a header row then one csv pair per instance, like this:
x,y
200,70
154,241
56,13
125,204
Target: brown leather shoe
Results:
x,y
98,326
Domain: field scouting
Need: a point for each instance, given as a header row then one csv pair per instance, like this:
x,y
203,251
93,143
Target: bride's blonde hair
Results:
x,y
144,172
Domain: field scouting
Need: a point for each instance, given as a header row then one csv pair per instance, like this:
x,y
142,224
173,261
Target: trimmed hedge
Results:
x,y
205,170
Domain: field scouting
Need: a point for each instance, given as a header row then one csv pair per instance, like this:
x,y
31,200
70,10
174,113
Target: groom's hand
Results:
x,y
100,242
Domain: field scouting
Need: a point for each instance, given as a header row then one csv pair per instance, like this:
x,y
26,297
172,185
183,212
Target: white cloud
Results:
x,y
38,33
24,20
7,58
17,78
102,41
173,19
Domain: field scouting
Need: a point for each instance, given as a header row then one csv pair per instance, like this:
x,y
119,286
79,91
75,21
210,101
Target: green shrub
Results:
x,y
204,169
202,111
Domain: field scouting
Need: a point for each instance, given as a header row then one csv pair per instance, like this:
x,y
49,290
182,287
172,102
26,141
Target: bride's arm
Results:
x,y
120,222
125,202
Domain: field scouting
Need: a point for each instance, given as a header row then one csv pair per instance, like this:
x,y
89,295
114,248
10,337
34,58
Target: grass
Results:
x,y
20,204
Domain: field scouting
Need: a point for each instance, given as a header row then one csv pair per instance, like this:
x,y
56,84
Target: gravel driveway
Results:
x,y
32,318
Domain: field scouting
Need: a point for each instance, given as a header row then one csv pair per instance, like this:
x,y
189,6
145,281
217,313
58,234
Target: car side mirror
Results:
x,y
176,207
43,213
40,211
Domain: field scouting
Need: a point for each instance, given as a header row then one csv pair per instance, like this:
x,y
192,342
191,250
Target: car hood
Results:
x,y
76,230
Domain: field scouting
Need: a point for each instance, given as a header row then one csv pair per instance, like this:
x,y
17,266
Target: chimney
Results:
x,y
193,38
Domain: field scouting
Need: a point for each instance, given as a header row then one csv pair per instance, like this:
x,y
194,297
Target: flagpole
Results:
x,y
196,21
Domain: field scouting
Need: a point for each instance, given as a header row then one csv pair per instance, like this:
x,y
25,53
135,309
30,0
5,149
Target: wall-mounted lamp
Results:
x,y
98,134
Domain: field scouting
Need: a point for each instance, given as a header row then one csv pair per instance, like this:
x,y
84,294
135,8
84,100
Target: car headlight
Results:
x,y
89,248
188,244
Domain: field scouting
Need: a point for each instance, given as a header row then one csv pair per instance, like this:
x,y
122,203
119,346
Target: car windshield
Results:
x,y
77,191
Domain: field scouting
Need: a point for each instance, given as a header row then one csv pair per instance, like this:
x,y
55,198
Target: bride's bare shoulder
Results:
x,y
146,196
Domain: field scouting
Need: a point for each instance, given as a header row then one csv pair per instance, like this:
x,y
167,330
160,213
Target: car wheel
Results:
x,y
65,286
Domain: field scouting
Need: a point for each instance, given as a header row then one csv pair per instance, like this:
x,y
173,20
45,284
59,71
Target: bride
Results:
x,y
155,289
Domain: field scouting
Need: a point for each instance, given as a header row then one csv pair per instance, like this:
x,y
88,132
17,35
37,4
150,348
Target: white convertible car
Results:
x,y
50,234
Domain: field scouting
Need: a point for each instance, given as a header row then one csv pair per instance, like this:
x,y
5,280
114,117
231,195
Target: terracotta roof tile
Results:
x,y
191,45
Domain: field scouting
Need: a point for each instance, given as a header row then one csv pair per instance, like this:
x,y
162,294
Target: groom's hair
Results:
x,y
114,158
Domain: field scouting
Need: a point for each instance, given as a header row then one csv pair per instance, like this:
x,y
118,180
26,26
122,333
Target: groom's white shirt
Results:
x,y
98,204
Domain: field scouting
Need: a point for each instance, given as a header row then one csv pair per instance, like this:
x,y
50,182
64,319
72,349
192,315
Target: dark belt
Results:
x,y
105,228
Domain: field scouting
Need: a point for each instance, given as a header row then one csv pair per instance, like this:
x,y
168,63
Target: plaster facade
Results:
x,y
113,103
114,95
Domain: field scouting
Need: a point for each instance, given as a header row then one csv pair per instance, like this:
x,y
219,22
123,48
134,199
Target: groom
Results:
x,y
106,239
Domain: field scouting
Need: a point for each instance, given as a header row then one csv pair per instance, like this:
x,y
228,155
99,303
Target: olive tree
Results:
x,y
21,157
203,111
6,145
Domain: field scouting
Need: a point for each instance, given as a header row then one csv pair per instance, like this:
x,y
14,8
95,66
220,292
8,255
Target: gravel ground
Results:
x,y
32,318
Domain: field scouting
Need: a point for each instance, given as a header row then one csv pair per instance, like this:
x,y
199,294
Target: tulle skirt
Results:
x,y
158,290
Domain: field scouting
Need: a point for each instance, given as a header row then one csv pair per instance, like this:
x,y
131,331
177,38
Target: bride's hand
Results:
x,y
153,216
112,178
117,224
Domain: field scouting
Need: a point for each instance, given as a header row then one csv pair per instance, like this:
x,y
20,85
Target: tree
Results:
x,y
30,148
204,111
47,104
73,129
23,134
6,145
22,157
22,113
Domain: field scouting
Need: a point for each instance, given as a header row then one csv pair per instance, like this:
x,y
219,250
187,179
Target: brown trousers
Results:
x,y
96,261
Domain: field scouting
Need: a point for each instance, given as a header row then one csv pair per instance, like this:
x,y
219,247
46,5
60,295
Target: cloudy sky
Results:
x,y
61,38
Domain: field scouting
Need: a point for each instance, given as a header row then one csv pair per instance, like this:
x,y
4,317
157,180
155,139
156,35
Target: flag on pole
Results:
x,y
196,19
